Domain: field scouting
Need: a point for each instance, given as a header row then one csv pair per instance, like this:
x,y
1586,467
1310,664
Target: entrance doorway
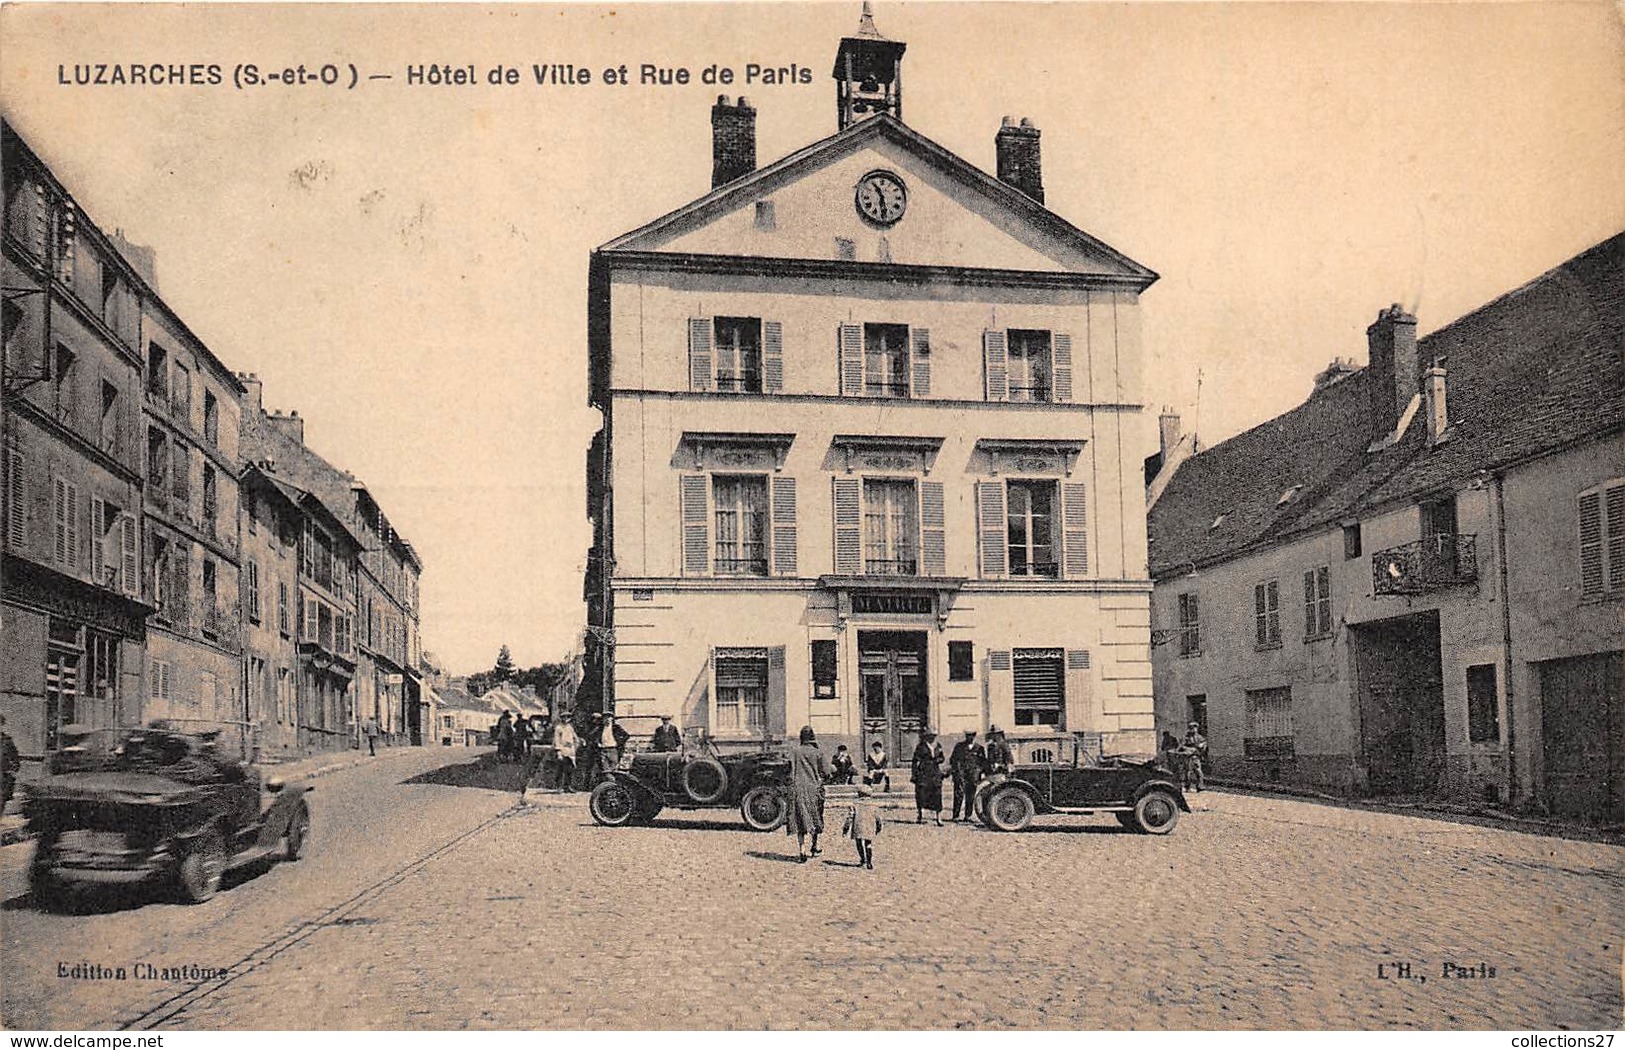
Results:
x,y
892,689
1401,704
1582,717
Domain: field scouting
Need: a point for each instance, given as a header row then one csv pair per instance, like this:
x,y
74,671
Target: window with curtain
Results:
x,y
741,689
885,360
1030,372
891,527
740,511
1030,514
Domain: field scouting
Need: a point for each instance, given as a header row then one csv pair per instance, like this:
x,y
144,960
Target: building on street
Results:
x,y
1411,583
871,445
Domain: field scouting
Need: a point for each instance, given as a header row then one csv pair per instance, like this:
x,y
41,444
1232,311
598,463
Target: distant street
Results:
x,y
436,905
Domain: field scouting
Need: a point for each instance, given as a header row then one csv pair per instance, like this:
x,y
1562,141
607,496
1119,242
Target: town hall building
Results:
x,y
871,447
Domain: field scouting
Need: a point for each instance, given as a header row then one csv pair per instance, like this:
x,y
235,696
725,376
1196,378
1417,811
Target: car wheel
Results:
x,y
764,808
201,867
705,781
1156,813
612,805
1009,809
293,843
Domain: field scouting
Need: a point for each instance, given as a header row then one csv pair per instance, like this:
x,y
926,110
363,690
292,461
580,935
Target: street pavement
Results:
x,y
429,901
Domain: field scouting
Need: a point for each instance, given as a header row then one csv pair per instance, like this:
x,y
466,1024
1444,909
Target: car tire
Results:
x,y
612,804
1156,813
764,808
704,781
1010,809
201,867
293,843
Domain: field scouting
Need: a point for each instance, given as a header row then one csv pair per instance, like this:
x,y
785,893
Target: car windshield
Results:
x,y
189,757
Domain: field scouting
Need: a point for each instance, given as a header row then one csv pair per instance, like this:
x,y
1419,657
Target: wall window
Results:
x,y
180,475
1602,541
62,382
961,661
1269,723
1040,686
1317,603
741,689
1029,365
282,609
738,349
108,429
1483,715
825,673
1267,614
885,360
740,513
181,394
211,497
1351,541
157,461
157,371
11,323
891,527
65,522
1030,512
211,589
251,584
1190,625
211,418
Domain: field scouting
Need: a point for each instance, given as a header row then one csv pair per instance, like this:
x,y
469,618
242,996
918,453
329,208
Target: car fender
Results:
x,y
277,816
641,789
1040,802
1161,785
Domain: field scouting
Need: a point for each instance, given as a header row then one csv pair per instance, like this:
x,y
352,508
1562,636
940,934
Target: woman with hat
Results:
x,y
927,772
808,771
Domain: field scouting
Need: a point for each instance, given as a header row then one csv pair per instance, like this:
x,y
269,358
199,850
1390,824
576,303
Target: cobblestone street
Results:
x,y
1255,912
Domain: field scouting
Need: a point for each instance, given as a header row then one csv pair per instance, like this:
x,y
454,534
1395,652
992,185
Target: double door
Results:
x,y
893,690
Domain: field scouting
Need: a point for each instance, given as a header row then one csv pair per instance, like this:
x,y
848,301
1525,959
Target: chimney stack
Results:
x,y
252,399
1437,409
289,425
1019,164
1168,430
733,140
1394,374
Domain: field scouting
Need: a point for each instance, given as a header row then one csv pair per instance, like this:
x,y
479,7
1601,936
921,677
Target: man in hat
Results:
x,y
1195,746
966,763
667,737
999,756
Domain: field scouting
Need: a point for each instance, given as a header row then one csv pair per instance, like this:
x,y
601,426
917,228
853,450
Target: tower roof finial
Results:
x,y
866,23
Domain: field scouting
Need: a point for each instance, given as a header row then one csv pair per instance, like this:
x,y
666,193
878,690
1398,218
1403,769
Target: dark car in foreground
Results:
x,y
647,782
1141,793
156,805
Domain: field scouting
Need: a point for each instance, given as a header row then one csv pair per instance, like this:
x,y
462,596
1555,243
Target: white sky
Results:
x,y
406,266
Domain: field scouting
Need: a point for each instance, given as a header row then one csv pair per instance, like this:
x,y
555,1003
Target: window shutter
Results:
x,y
776,713
73,525
1309,617
1614,537
1001,687
1258,614
130,558
41,221
699,353
59,510
922,361
772,357
1075,515
784,526
851,343
98,549
848,526
1061,365
933,529
991,527
696,538
168,685
16,508
996,357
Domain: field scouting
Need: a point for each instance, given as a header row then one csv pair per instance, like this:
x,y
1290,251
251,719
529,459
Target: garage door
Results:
x,y
1583,735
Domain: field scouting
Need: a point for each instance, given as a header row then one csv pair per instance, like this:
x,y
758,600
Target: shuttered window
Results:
x,y
692,496
785,540
251,587
848,526
1027,364
741,510
1040,686
129,556
1602,540
65,516
1030,517
737,347
16,501
1267,614
991,527
741,677
891,527
1317,602
282,607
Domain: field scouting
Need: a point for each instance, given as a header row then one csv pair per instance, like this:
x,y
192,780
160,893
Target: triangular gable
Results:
x,y
958,214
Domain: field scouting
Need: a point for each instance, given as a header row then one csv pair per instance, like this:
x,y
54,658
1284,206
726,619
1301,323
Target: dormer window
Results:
x,y
1217,522
1286,496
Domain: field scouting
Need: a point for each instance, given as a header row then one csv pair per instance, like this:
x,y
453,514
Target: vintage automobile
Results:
x,y
145,805
1142,794
646,782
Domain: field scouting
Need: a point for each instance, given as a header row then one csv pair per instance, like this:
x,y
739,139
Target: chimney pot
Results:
x,y
1019,161
1437,408
1395,372
733,140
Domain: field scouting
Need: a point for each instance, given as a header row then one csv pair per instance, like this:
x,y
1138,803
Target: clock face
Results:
x,y
881,198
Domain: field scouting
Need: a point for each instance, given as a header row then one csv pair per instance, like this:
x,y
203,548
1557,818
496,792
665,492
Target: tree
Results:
x,y
504,670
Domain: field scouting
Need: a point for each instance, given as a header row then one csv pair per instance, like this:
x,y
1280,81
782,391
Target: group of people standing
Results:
x,y
967,764
1187,758
514,736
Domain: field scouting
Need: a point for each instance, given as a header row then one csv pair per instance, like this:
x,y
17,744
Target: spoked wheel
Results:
x,y
764,808
1156,813
1010,809
298,831
200,870
612,804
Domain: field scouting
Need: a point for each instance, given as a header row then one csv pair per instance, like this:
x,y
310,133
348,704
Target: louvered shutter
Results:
x,y
776,692
1614,537
921,340
16,508
129,556
155,679
59,520
167,689
933,529
98,549
1591,572
851,345
696,536
772,356
1075,517
991,527
699,353
784,526
41,221
1000,687
1061,352
848,526
996,364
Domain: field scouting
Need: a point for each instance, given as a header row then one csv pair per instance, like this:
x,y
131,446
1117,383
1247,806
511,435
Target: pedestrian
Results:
x,y
1195,746
874,767
666,737
863,825
521,738
927,773
564,751
10,763
504,735
842,770
967,762
618,736
808,771
370,729
999,758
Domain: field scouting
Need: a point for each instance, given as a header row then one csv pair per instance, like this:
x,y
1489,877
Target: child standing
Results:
x,y
865,825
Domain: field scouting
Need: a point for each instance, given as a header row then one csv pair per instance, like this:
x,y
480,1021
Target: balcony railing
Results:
x,y
749,565
747,382
891,566
1425,565
1029,393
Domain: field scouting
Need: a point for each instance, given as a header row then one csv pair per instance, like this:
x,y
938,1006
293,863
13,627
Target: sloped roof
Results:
x,y
1532,372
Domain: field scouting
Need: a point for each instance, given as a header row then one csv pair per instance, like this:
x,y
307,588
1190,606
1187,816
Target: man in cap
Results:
x,y
967,762
1195,746
667,737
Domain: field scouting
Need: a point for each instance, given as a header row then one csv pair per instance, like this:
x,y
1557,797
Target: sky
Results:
x,y
405,264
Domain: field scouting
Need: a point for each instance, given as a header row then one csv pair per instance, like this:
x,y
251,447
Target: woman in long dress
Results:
x,y
927,774
808,771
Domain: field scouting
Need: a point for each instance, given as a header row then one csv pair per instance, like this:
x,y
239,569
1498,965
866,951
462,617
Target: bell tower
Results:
x,y
868,74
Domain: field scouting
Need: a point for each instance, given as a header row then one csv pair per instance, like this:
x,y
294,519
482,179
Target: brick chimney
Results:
x,y
1438,410
289,425
253,400
733,140
1019,164
1393,367
1168,432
